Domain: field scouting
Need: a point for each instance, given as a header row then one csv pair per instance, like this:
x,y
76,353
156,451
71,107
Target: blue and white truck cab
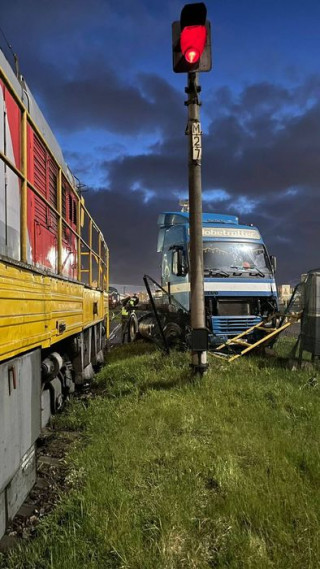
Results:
x,y
239,283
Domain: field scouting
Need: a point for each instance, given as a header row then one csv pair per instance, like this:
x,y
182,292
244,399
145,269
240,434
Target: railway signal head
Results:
x,y
191,40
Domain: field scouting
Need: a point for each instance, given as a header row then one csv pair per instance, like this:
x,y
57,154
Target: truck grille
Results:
x,y
233,325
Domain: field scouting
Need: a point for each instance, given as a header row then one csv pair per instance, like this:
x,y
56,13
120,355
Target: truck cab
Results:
x,y
239,283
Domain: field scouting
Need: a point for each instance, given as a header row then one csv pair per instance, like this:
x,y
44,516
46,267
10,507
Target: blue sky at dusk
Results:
x,y
102,73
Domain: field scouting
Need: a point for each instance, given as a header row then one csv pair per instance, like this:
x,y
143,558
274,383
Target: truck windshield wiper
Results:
x,y
258,271
213,272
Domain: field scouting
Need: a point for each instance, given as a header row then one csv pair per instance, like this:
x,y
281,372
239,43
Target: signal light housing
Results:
x,y
191,40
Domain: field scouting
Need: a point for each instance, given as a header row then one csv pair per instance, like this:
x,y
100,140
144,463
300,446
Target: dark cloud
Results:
x,y
130,229
269,175
97,98
57,42
261,155
291,231
93,96
257,98
266,151
162,173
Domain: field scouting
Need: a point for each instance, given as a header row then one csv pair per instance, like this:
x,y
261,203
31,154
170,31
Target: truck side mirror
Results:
x,y
273,261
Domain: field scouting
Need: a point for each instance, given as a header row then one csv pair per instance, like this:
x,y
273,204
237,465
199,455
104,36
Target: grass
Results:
x,y
172,471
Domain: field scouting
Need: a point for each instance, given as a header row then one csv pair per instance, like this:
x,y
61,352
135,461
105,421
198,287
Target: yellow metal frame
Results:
x,y
239,341
39,308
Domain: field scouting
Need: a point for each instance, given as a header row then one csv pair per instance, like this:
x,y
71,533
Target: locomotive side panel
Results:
x,y
20,396
38,310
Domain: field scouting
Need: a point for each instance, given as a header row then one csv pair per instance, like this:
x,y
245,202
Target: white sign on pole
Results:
x,y
196,141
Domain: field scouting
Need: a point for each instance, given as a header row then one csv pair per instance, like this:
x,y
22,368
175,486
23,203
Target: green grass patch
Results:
x,y
172,471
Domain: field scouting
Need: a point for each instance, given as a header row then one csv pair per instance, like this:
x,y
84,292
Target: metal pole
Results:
x,y
198,323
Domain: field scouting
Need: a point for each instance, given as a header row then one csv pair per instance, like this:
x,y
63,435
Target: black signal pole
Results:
x,y
199,334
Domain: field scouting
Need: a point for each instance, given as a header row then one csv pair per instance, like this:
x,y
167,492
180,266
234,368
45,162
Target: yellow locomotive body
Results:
x,y
54,278
40,310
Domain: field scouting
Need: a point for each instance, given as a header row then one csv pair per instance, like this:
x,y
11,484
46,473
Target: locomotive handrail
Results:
x,y
90,249
55,210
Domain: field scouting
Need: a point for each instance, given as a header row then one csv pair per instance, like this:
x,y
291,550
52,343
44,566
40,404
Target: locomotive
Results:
x,y
54,278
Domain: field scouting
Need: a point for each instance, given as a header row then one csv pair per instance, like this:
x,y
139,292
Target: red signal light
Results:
x,y
192,55
192,41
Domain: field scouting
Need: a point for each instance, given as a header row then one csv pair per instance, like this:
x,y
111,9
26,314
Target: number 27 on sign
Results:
x,y
196,141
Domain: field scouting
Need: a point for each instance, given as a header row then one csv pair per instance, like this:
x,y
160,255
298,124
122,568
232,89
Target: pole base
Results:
x,y
199,369
199,362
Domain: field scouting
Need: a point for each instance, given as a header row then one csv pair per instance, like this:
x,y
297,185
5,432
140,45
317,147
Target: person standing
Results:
x,y
128,306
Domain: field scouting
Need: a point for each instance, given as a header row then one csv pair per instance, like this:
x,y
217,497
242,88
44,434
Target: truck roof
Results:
x,y
168,218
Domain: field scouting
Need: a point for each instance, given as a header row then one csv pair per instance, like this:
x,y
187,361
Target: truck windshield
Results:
x,y
234,257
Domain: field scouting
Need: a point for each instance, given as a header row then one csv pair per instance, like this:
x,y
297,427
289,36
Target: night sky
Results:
x,y
101,71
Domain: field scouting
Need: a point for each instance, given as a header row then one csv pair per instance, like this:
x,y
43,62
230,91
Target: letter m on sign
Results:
x,y
196,128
